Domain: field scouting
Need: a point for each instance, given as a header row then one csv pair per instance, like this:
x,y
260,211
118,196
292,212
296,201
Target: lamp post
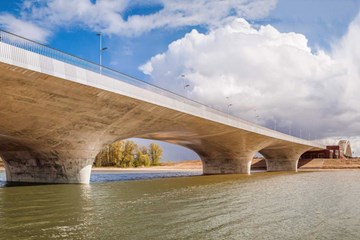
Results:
x,y
228,105
183,76
101,50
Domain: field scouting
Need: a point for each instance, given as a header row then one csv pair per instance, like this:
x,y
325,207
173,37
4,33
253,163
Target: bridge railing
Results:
x,y
41,49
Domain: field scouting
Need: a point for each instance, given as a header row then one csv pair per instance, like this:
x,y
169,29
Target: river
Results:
x,y
304,205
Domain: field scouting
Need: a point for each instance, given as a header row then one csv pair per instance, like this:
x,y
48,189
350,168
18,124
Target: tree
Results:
x,y
146,160
155,152
142,157
103,158
117,153
129,151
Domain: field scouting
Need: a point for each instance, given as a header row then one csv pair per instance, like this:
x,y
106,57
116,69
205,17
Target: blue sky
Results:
x,y
136,31
322,21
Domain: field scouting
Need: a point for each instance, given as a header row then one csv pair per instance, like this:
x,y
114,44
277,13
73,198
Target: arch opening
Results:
x,y
258,163
143,153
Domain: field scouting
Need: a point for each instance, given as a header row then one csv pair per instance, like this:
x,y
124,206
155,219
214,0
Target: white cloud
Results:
x,y
23,28
270,77
108,16
347,52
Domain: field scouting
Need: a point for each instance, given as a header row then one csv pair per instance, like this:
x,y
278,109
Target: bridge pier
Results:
x,y
227,165
279,165
278,160
32,167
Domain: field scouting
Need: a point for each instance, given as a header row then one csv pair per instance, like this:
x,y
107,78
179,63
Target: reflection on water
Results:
x,y
308,205
113,176
138,175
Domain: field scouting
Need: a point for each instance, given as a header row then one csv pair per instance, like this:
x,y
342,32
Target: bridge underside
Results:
x,y
51,130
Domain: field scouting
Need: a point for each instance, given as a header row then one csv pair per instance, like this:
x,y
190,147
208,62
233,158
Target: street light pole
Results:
x,y
183,76
101,50
229,105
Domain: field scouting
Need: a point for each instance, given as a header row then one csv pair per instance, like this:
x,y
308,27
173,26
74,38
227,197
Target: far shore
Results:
x,y
142,169
257,164
151,169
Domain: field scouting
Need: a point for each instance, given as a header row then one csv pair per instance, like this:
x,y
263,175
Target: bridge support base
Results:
x,y
283,159
23,167
227,165
278,165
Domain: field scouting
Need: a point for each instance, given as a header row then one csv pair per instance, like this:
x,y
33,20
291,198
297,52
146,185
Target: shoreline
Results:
x,y
119,170
149,169
257,165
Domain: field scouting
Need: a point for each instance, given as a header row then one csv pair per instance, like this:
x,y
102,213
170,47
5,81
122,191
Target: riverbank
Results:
x,y
190,165
257,164
315,164
353,163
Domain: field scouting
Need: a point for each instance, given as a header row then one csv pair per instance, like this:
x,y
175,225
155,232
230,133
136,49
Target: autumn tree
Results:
x,y
155,153
104,157
117,153
142,157
129,152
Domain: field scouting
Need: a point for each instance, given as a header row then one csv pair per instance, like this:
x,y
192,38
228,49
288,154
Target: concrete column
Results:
x,y
33,167
227,165
278,165
282,159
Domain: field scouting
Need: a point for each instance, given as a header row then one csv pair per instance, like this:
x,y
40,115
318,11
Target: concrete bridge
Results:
x,y
58,111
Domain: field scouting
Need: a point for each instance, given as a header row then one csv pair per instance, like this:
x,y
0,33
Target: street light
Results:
x,y
229,105
183,76
101,49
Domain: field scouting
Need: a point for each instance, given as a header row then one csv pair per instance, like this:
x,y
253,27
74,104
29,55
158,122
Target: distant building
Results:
x,y
342,150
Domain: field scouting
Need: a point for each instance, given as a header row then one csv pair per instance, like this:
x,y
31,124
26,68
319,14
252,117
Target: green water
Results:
x,y
309,205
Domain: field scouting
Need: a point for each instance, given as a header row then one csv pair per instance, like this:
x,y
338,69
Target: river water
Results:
x,y
304,205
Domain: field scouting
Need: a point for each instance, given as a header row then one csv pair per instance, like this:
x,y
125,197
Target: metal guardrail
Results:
x,y
41,49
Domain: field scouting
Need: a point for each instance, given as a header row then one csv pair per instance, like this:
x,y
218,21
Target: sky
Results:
x,y
289,65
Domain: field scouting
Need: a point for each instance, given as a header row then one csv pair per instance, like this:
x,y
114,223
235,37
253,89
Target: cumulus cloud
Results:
x,y
347,52
23,28
111,16
269,77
